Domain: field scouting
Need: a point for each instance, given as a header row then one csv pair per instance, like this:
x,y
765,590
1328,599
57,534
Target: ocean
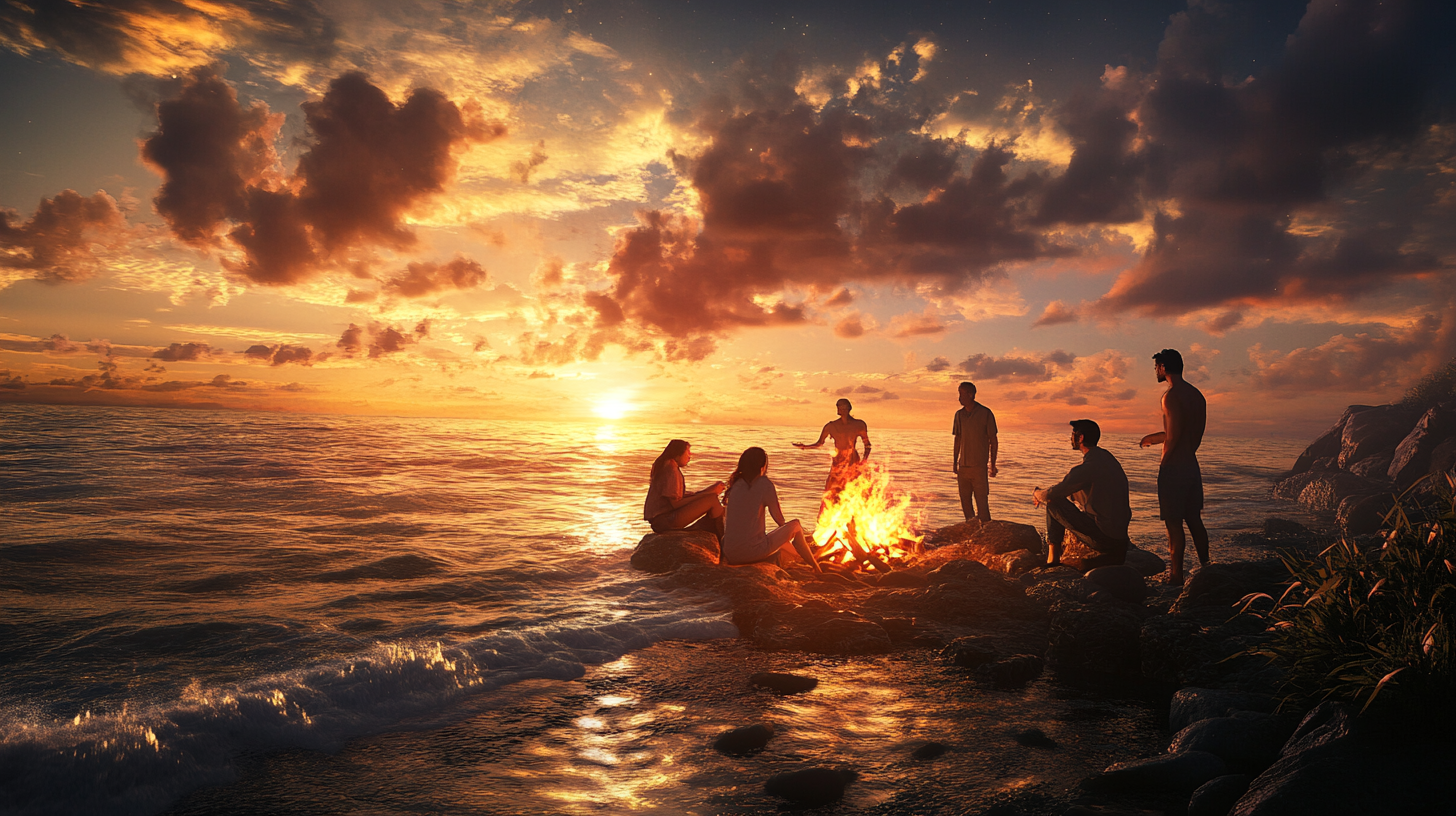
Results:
x,y
217,612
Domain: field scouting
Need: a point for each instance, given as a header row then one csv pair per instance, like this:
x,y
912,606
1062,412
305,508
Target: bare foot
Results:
x,y
1175,580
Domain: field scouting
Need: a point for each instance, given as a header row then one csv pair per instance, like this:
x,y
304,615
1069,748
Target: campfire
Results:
x,y
868,525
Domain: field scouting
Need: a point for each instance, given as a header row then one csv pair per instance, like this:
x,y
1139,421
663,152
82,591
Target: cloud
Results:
x,y
1222,324
56,343
1374,361
183,352
866,393
938,364
1020,369
421,279
841,297
522,169
283,354
850,327
367,164
55,244
379,339
916,325
1055,314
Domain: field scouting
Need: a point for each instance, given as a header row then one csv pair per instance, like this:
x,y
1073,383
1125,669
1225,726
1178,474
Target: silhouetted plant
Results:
x,y
1433,389
1372,627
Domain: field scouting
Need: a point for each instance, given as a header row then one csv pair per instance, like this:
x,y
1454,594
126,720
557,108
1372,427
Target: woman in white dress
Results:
x,y
750,493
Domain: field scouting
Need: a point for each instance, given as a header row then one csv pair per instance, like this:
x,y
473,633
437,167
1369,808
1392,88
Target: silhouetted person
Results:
x,y
669,506
1180,482
844,431
1099,485
750,493
975,453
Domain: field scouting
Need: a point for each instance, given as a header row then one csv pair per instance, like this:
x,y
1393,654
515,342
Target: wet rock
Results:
x,y
1174,649
813,626
902,578
992,537
1326,490
1122,581
1328,445
1145,563
1189,705
970,652
845,635
812,787
1374,431
1170,773
745,740
1359,515
1020,562
783,682
1412,457
1034,738
1015,672
930,750
1217,796
1222,587
1101,638
665,552
1247,741
1372,467
956,571
1443,461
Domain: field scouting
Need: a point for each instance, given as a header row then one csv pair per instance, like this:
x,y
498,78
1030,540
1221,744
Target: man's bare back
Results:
x,y
1185,414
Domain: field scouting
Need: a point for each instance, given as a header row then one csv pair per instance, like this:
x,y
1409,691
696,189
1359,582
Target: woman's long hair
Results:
x,y
750,463
673,450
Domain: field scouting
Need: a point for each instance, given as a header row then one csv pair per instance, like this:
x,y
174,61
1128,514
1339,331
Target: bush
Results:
x,y
1432,389
1373,627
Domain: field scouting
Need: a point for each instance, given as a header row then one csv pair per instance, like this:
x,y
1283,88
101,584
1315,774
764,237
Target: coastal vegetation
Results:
x,y
1437,388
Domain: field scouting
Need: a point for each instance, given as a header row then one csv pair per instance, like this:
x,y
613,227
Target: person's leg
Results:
x,y
705,507
1085,528
790,538
1200,537
1176,543
981,490
1056,532
967,491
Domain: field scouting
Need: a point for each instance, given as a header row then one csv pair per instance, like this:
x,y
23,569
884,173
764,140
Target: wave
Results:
x,y
141,759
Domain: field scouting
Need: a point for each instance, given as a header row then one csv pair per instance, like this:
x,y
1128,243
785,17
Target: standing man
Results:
x,y
845,431
1180,482
974,459
1100,486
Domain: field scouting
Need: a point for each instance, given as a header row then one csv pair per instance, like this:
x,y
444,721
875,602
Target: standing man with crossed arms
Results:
x,y
1180,482
975,453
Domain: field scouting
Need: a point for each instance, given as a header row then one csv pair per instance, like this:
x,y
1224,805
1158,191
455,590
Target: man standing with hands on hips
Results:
x,y
1180,482
975,453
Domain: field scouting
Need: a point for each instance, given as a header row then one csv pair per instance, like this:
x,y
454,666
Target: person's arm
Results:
x,y
864,433
991,444
1078,478
824,434
955,455
772,503
1153,439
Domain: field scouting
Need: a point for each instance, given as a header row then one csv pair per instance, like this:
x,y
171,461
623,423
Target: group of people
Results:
x,y
1091,502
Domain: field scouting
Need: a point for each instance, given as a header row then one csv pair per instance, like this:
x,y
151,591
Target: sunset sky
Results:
x,y
722,212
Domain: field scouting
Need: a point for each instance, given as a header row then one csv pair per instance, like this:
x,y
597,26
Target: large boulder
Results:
x,y
1324,490
1124,582
1372,432
1217,796
1247,741
1358,515
665,552
1220,588
1170,773
1443,463
1412,457
989,537
1327,446
1147,564
1189,705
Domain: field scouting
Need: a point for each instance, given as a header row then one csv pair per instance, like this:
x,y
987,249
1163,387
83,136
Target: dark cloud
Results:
x,y
55,244
161,37
368,162
1055,314
850,327
183,352
11,382
421,279
1061,358
56,343
1022,369
938,364
283,354
1223,324
842,297
1383,358
379,339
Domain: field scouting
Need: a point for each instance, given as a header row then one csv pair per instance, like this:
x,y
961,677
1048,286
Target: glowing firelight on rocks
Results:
x,y
869,524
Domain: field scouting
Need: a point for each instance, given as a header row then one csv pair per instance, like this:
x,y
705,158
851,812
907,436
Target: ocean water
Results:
x,y
185,593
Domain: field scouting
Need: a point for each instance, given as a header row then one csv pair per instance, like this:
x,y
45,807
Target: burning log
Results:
x,y
865,524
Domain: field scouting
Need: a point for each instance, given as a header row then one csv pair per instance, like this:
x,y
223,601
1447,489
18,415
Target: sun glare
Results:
x,y
611,407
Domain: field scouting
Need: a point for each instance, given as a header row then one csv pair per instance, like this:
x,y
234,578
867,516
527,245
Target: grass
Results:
x,y
1432,389
1372,626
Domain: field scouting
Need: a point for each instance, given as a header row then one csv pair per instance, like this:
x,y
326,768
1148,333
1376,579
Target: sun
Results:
x,y
612,407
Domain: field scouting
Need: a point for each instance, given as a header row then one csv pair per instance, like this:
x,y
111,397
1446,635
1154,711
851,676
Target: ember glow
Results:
x,y
870,524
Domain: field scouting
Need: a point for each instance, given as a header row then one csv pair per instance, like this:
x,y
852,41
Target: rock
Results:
x,y
1223,587
1147,564
844,635
1277,528
902,578
1034,738
1100,638
970,652
1373,467
1218,795
665,552
1122,581
1358,515
1015,672
1020,562
813,626
1174,649
1325,490
1443,461
1412,457
956,571
1170,773
1190,705
930,750
994,537
1373,431
784,683
1327,446
812,787
1247,741
745,740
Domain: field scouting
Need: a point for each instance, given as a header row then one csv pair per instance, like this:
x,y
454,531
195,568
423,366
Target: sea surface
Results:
x,y
197,608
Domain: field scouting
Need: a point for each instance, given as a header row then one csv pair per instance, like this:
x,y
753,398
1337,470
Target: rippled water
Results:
x,y
182,589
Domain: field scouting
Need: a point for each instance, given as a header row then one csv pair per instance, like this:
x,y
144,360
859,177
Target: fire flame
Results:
x,y
868,524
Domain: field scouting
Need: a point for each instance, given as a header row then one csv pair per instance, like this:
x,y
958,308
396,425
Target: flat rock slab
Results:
x,y
1170,773
812,787
665,552
784,683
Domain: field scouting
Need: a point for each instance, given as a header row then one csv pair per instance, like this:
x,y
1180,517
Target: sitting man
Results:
x,y
1100,486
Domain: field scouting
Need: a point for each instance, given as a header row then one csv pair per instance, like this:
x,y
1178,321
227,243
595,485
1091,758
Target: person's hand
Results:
x,y
1038,496
717,487
991,469
800,445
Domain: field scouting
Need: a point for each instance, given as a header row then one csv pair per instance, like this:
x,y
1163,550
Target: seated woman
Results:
x,y
750,493
669,507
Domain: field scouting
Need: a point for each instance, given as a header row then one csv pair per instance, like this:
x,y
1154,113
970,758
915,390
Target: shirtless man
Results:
x,y
1180,483
975,453
844,431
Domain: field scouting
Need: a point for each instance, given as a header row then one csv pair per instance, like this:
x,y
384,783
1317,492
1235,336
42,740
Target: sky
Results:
x,y
732,213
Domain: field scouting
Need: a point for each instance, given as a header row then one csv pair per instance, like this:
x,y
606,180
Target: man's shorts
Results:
x,y
1180,489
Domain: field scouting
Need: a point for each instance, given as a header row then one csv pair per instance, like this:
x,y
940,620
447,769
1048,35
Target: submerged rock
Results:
x,y
1015,672
930,750
745,740
783,682
970,652
812,787
1034,738
665,552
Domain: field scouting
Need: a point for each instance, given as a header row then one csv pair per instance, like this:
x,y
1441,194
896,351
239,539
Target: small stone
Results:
x,y
1015,671
1034,738
745,740
812,787
930,750
970,652
784,683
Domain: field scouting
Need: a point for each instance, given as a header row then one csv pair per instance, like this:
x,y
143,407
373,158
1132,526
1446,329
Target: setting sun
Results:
x,y
613,407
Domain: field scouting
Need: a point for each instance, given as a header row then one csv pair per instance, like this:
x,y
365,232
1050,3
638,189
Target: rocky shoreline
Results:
x,y
978,598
